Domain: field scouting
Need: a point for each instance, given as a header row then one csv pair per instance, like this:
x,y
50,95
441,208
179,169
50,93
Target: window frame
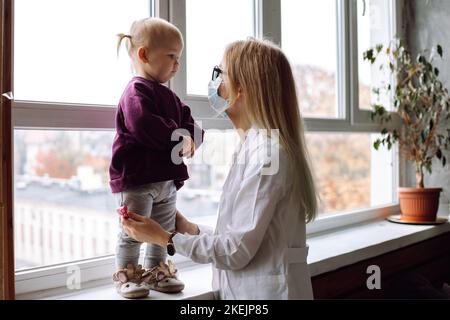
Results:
x,y
267,23
360,116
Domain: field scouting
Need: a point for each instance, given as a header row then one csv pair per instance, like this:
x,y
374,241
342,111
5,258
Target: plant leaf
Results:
x,y
422,137
439,50
428,167
436,72
376,144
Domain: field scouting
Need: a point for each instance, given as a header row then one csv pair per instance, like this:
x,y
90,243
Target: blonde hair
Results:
x,y
149,33
261,70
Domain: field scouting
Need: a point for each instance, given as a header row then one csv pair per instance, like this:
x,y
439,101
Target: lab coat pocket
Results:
x,y
269,287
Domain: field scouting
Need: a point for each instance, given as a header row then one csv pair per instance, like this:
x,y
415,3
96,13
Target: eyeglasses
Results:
x,y
216,72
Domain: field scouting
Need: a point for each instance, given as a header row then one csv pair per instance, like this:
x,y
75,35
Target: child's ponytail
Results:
x,y
121,36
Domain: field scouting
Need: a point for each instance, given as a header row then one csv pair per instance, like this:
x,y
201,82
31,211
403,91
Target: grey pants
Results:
x,y
157,201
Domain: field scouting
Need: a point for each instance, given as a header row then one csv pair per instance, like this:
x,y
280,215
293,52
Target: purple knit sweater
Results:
x,y
147,114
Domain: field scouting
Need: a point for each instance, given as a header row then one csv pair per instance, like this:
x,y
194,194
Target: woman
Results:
x,y
258,249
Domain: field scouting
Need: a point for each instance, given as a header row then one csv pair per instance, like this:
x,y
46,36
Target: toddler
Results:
x,y
151,122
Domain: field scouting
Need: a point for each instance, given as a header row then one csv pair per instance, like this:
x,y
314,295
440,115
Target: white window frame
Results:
x,y
65,116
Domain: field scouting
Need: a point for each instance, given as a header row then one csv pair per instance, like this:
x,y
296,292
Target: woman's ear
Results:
x,y
239,93
142,54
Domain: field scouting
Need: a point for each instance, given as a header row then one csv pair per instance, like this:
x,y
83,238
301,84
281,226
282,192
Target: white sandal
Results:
x,y
163,278
128,282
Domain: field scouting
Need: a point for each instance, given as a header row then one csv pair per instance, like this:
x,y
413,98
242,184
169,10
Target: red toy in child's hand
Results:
x,y
123,211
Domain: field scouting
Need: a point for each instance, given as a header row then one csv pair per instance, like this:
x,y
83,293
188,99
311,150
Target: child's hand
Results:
x,y
123,211
188,149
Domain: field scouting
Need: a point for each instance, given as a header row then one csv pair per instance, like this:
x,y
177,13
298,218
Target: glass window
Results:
x,y
373,29
63,209
199,198
65,51
348,175
210,26
308,33
351,175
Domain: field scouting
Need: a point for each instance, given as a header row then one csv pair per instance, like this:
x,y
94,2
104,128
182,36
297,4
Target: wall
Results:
x,y
427,24
418,271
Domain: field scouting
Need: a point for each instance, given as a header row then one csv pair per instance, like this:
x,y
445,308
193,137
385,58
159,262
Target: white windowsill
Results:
x,y
328,251
197,280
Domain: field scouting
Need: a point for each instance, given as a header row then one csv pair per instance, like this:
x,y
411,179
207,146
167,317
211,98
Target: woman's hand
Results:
x,y
145,229
183,225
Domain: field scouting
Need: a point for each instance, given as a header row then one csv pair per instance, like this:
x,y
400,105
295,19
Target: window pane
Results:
x,y
308,31
65,51
210,26
350,175
373,28
63,207
199,197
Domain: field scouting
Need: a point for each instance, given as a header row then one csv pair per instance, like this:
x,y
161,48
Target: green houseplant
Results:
x,y
421,103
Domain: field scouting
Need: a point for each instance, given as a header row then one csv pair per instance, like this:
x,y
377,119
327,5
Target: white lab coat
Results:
x,y
258,249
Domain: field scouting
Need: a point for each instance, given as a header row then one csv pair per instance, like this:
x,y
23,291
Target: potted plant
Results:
x,y
421,104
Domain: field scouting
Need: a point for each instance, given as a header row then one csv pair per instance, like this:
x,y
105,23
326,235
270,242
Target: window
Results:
x,y
68,78
208,30
313,55
373,28
199,198
64,210
65,62
333,102
348,175
69,53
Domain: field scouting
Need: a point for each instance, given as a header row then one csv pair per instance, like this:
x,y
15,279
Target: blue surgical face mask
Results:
x,y
217,103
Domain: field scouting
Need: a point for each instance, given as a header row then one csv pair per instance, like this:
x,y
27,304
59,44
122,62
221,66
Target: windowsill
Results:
x,y
104,289
328,251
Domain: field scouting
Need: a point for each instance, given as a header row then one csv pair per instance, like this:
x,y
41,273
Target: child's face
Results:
x,y
163,63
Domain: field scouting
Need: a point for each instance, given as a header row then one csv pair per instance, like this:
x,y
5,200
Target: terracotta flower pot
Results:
x,y
419,205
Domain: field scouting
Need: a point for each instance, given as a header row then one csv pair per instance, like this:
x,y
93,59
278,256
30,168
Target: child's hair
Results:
x,y
149,33
261,70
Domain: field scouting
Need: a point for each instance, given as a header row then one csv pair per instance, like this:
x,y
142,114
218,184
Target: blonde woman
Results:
x,y
258,248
